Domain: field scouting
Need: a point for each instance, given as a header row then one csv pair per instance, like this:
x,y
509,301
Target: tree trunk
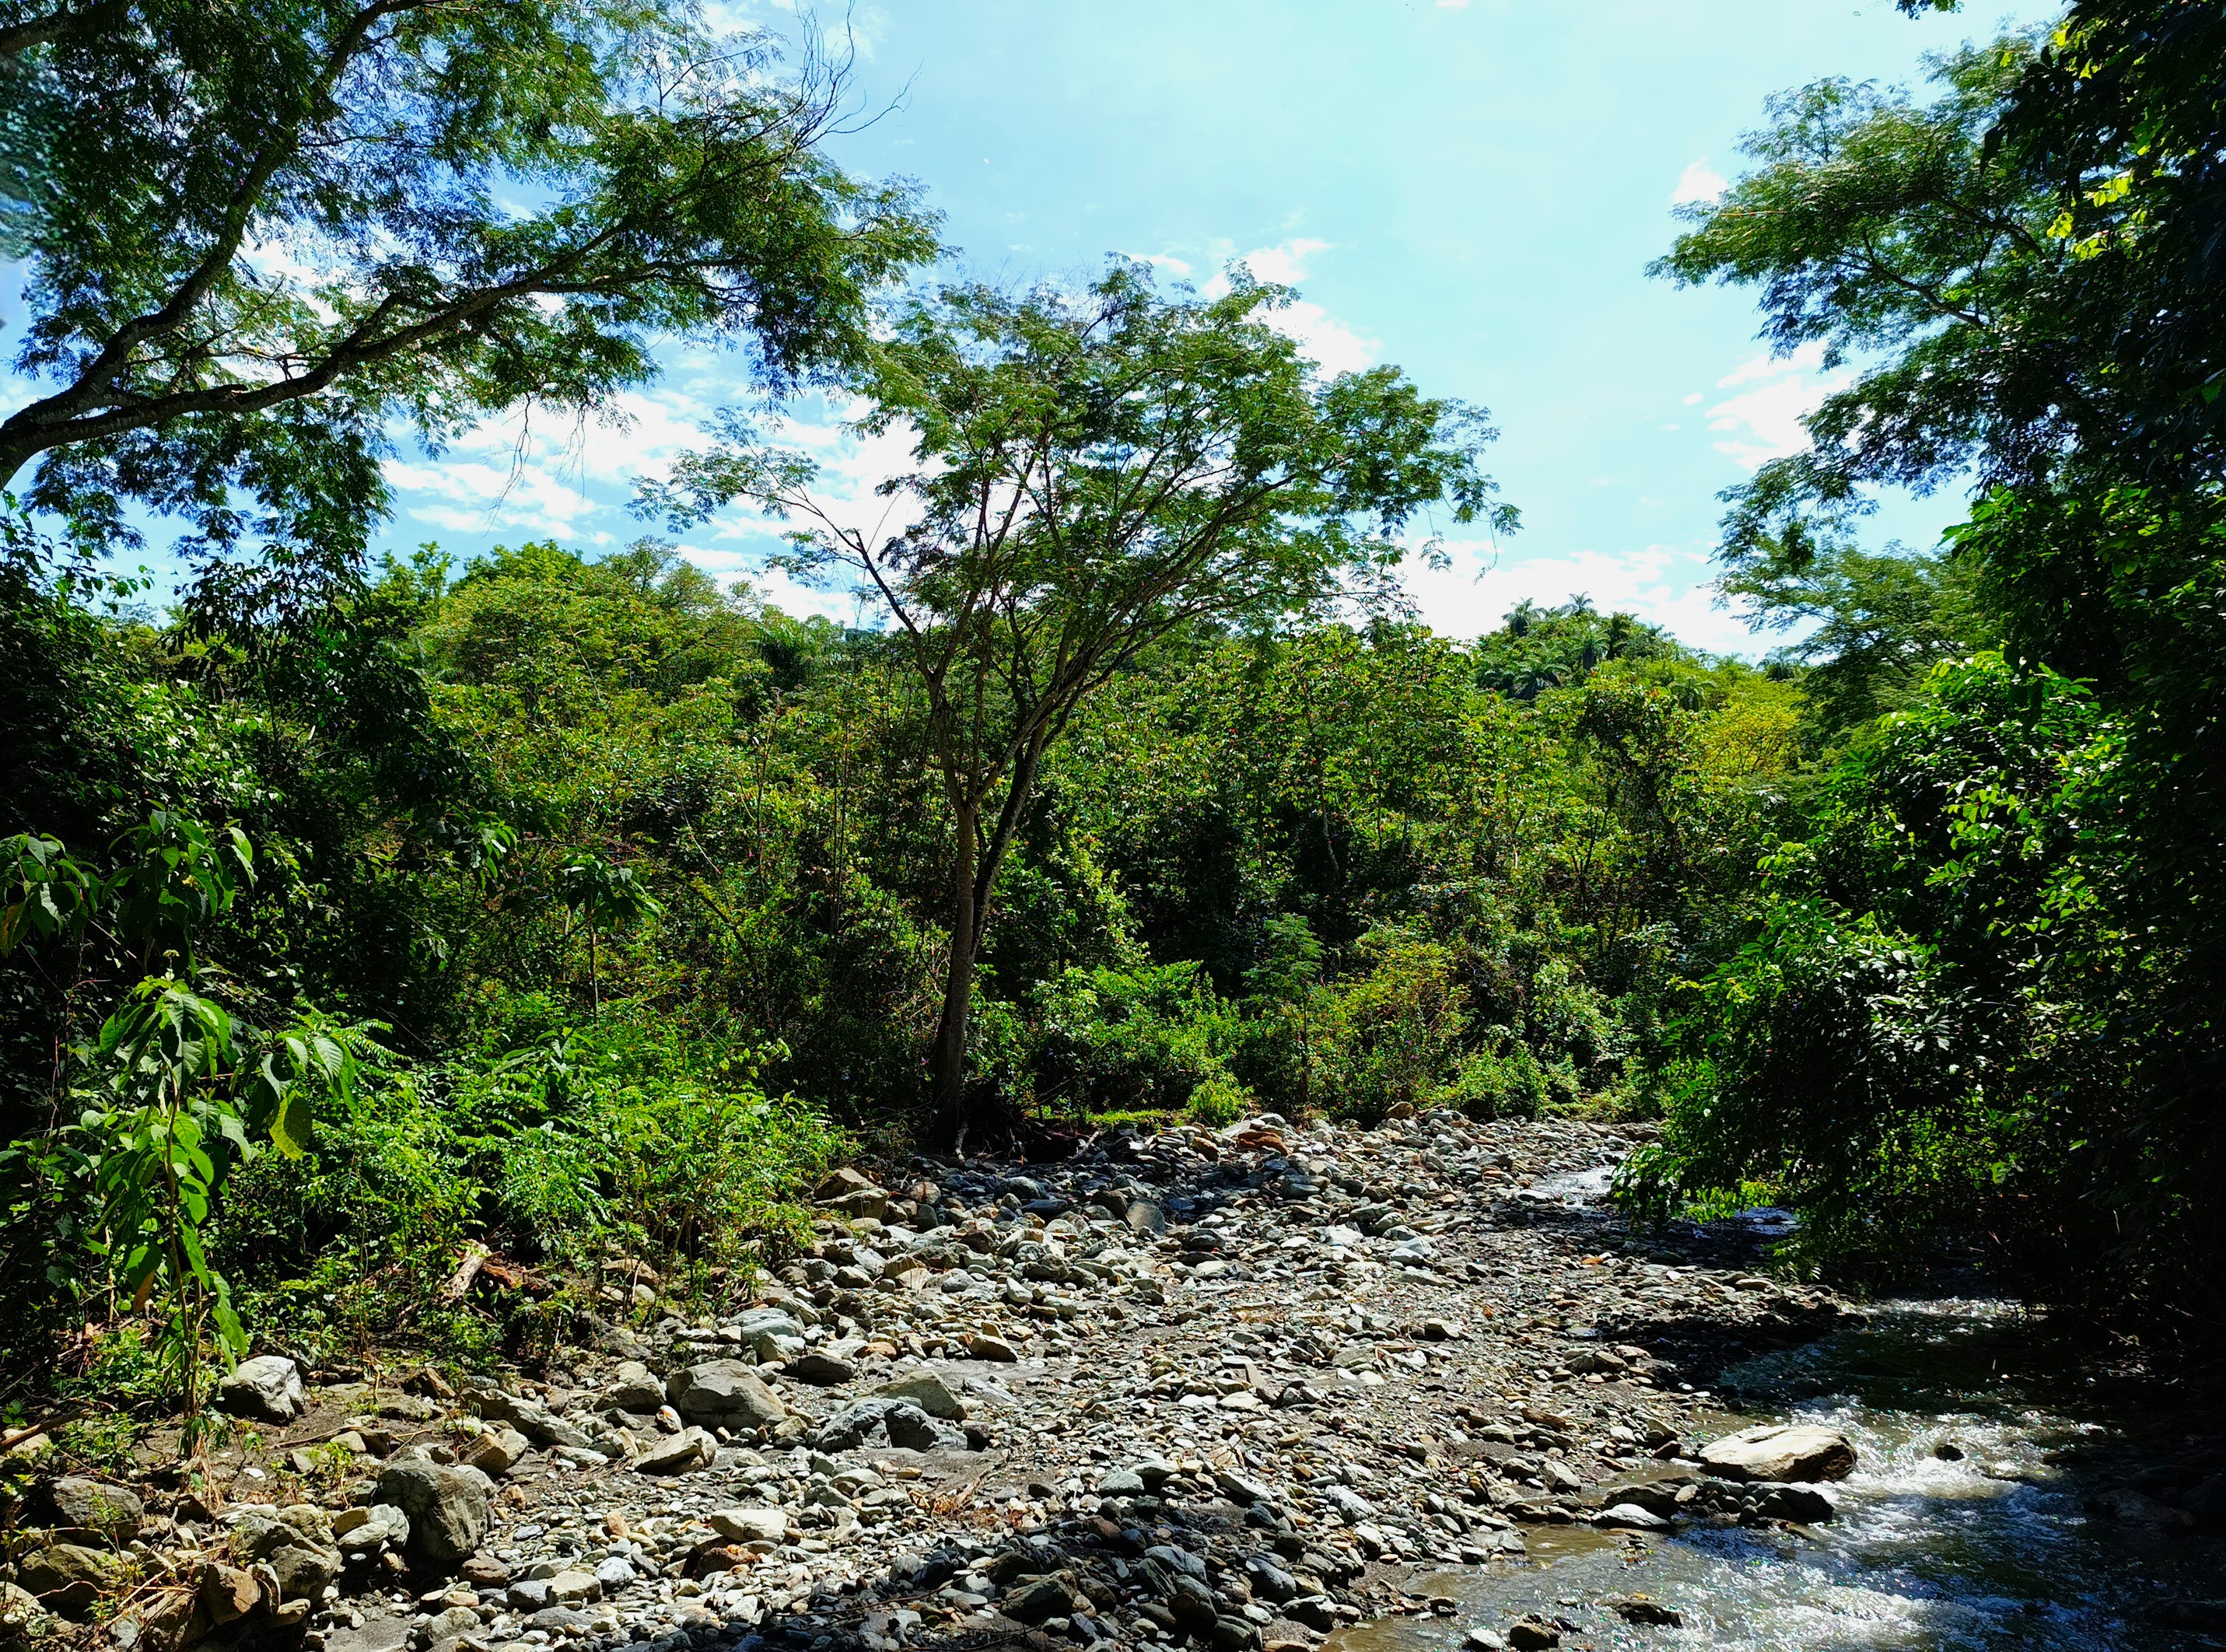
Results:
x,y
950,1070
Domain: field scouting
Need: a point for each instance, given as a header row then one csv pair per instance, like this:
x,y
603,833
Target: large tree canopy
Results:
x,y
260,232
1094,471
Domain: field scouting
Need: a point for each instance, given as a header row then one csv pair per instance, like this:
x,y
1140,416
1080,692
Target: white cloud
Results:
x,y
1763,422
1698,183
464,496
1286,264
1662,584
1337,347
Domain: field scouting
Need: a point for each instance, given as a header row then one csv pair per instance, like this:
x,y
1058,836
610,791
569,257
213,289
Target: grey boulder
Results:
x,y
632,1387
1776,1453
362,1532
724,1393
448,1509
681,1453
927,1391
93,1509
267,1389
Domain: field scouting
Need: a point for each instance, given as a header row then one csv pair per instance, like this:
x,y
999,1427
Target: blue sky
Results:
x,y
1469,188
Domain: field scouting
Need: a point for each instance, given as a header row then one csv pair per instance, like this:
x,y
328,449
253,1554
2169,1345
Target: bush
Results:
x,y
1394,1034
552,1143
1145,1039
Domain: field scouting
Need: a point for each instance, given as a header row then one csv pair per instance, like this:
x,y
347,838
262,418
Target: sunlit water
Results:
x,y
1994,1551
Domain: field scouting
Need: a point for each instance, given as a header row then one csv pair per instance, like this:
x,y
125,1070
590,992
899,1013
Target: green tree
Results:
x,y
258,236
1096,470
2026,269
1878,622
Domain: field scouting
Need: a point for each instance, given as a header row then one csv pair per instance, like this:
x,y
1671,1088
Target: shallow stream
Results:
x,y
1981,1433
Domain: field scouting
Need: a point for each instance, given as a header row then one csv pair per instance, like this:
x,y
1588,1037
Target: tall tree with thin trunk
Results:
x,y
1091,470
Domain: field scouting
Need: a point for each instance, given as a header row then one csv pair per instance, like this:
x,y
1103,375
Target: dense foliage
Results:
x,y
564,915
1327,867
1981,997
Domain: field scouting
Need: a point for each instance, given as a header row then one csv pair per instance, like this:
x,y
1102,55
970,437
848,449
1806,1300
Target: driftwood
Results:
x,y
460,1282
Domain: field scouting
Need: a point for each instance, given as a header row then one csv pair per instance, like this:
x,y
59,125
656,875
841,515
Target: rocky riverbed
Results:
x,y
1236,1388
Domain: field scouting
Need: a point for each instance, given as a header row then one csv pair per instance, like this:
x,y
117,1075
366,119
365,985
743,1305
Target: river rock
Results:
x,y
267,1389
927,1391
68,1578
770,1333
825,1369
632,1387
749,1525
1803,1504
93,1509
1630,1517
360,1532
681,1453
296,1545
1781,1452
913,1429
228,1593
495,1452
448,1508
724,1393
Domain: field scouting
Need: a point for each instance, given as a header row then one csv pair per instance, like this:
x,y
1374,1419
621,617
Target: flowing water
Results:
x,y
1981,1433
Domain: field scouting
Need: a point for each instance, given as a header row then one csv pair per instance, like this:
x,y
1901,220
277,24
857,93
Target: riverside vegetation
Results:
x,y
465,970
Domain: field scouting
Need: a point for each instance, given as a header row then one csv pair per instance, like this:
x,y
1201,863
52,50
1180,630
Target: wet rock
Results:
x,y
1781,1452
725,1393
2125,1506
1630,1517
91,1511
267,1389
446,1508
1533,1635
1802,1504
1643,1609
2206,1616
